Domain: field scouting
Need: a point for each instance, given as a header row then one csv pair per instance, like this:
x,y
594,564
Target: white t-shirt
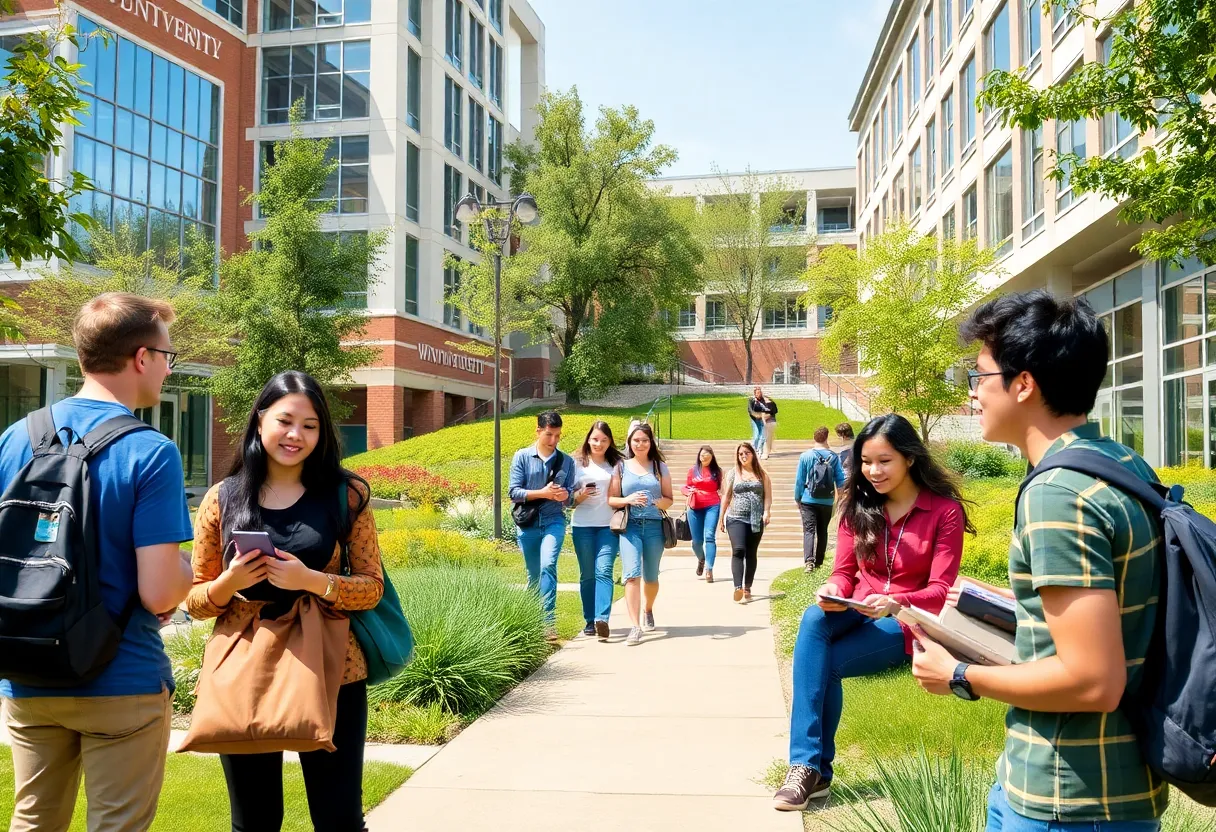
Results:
x,y
594,511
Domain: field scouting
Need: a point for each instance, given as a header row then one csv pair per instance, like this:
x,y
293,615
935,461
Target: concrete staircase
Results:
x,y
783,536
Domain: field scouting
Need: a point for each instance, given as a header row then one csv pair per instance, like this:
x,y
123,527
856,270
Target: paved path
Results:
x,y
674,733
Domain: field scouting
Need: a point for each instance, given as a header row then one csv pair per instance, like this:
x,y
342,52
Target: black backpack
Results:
x,y
1174,711
54,629
820,481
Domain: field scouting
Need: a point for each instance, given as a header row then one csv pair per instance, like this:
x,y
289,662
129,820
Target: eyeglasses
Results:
x,y
170,355
974,376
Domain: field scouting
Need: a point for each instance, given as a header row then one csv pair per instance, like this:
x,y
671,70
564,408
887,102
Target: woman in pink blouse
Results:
x,y
900,543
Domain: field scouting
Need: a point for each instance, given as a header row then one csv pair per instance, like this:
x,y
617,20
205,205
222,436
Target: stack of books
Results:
x,y
980,630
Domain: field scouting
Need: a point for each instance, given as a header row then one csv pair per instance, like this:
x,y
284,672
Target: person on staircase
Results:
x,y
641,484
818,481
745,513
703,488
900,543
595,545
844,432
770,427
756,412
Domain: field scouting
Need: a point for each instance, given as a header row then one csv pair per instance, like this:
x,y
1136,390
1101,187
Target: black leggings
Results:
x,y
744,544
333,780
815,521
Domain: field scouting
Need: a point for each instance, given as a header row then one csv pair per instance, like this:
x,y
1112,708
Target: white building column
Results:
x,y
1154,450
812,212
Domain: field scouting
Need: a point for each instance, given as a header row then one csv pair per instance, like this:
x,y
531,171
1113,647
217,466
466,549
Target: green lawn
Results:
x,y
195,798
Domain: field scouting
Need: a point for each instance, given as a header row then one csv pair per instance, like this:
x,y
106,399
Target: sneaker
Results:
x,y
648,622
802,785
738,594
747,595
602,630
635,637
700,568
589,630
709,576
810,566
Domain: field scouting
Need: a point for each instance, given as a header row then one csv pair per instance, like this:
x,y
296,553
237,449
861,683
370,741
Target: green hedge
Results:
x,y
413,548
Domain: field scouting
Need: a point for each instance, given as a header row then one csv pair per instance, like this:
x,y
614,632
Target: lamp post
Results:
x,y
498,231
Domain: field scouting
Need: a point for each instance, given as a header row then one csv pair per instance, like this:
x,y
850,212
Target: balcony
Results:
x,y
835,227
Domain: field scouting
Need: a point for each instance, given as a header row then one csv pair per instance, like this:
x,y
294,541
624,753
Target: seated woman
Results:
x,y
900,542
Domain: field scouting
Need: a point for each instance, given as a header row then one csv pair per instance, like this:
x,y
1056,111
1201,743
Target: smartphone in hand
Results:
x,y
249,541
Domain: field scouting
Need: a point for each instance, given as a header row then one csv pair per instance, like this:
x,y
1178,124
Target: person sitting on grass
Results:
x,y
900,543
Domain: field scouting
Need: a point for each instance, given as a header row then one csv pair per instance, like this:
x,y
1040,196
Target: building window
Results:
x,y
947,25
688,315
451,285
453,43
356,297
901,189
886,134
930,47
413,91
496,73
947,136
715,315
833,219
283,15
1062,21
1118,134
1032,32
1070,138
231,10
411,275
931,156
414,18
495,150
873,149
996,51
949,231
897,95
347,186
917,173
971,214
496,14
968,11
786,313
967,107
452,183
1032,174
998,192
150,145
332,78
477,51
453,106
413,181
477,135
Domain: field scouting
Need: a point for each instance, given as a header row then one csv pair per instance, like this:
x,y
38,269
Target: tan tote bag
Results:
x,y
271,685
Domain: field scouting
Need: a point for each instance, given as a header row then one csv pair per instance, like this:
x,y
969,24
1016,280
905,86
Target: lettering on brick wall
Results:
x,y
172,24
451,359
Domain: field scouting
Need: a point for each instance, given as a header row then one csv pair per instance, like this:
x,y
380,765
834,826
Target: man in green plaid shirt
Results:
x,y
1084,571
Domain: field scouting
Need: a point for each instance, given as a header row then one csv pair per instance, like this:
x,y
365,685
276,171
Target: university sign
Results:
x,y
172,24
446,358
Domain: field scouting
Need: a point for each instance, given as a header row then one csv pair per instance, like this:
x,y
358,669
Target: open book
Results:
x,y
967,639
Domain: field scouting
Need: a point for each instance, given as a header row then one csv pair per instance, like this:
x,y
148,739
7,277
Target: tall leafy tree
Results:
x,y
1160,78
287,296
608,257
898,303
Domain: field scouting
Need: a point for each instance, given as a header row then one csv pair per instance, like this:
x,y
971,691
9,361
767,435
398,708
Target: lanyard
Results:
x,y
888,552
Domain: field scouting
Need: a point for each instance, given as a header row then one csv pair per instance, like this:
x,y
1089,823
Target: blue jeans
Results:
x,y
596,548
832,646
703,523
758,436
1001,818
641,550
541,544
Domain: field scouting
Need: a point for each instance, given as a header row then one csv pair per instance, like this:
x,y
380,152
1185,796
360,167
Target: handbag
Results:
x,y
527,513
620,520
683,530
669,530
383,632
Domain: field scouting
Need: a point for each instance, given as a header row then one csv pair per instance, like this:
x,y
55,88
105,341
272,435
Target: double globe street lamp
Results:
x,y
498,224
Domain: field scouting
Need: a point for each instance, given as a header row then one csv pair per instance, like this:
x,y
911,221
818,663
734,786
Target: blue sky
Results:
x,y
760,83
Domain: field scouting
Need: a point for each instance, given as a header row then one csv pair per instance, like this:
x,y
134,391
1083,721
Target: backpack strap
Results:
x,y
1096,464
110,431
41,427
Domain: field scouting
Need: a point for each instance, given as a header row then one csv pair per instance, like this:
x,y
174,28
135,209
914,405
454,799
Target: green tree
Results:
x,y
1159,79
749,229
288,297
39,94
898,303
608,257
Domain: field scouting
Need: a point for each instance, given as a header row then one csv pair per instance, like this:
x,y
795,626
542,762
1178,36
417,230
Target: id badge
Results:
x,y
47,530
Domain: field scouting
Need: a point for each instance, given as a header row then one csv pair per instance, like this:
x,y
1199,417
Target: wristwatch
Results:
x,y
959,685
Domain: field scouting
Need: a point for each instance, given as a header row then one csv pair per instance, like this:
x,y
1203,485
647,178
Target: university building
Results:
x,y
924,153
420,98
821,211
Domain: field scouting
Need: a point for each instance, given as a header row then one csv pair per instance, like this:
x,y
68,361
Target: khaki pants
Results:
x,y
119,742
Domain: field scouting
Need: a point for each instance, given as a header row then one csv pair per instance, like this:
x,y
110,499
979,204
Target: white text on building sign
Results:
x,y
451,359
172,24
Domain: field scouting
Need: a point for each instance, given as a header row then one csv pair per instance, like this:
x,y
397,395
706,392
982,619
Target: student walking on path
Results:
x,y
820,477
641,485
844,432
595,545
757,412
900,542
704,489
745,513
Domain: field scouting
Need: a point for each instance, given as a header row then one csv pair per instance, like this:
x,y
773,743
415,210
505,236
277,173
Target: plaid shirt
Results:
x,y
1075,531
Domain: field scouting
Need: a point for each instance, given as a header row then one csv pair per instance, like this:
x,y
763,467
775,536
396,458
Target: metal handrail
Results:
x,y
658,426
682,368
482,410
823,383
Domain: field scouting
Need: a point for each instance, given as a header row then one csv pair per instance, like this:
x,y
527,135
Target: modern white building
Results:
x,y
926,154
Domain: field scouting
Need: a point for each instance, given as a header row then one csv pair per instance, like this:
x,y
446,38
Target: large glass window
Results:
x,y
413,181
998,187
1062,19
931,156
947,26
971,214
996,51
496,14
453,42
495,150
916,171
453,109
477,51
1033,183
22,386
947,136
688,315
282,15
150,145
1070,138
413,91
332,78
347,186
914,82
496,73
452,184
231,10
1032,32
886,134
411,275
1183,408
715,315
930,47
1186,309
414,18
1118,134
477,135
966,13
897,97
949,226
785,313
967,106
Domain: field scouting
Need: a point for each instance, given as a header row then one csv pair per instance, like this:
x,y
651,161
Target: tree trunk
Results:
x,y
573,396
923,418
747,348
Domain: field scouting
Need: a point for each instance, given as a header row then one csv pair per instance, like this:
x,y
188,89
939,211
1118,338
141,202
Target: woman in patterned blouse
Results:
x,y
286,480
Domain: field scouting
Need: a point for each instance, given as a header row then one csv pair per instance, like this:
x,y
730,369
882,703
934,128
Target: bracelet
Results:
x,y
330,588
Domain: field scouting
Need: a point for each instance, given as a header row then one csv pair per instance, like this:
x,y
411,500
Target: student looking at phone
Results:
x,y
287,481
595,544
900,541
704,489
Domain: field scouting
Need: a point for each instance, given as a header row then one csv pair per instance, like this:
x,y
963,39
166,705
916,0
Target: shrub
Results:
x,y
981,460
185,648
411,548
412,483
474,516
475,636
398,722
410,517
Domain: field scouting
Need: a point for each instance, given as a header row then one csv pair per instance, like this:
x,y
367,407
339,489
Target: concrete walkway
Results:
x,y
674,733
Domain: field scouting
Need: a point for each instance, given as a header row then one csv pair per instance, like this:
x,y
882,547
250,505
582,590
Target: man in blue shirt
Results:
x,y
115,728
816,510
530,480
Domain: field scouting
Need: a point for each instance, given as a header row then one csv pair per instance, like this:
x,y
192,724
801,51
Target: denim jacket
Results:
x,y
528,474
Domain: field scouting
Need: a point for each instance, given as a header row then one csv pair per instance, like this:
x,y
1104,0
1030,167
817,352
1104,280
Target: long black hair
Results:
x,y
863,508
715,470
321,471
612,456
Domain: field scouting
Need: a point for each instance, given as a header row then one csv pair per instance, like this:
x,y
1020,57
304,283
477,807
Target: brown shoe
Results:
x,y
747,594
802,785
700,568
738,594
602,630
709,576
